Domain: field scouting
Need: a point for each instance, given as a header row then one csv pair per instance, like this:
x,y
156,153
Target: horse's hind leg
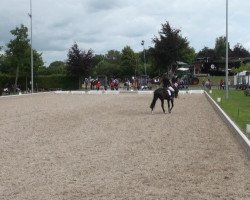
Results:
x,y
162,105
152,105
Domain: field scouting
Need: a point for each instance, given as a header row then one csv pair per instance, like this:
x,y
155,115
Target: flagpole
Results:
x,y
226,49
31,48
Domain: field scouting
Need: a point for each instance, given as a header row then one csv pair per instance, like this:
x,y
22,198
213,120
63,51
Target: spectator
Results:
x,y
203,83
208,84
98,85
222,85
128,84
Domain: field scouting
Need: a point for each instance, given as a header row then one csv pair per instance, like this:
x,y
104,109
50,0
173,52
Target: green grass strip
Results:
x,y
237,106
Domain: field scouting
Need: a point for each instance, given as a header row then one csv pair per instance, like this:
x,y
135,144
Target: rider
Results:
x,y
98,84
167,85
175,85
166,82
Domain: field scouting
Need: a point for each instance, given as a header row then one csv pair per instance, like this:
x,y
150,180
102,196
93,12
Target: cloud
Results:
x,y
98,6
113,24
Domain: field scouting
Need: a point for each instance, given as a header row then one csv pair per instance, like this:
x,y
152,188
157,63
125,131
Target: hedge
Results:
x,y
48,82
57,82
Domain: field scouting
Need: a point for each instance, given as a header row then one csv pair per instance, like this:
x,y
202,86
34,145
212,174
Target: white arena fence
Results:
x,y
150,92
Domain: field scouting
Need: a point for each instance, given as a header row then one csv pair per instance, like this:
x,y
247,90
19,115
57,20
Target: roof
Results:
x,y
243,73
181,63
183,69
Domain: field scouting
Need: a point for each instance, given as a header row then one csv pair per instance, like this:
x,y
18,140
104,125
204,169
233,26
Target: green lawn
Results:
x,y
237,106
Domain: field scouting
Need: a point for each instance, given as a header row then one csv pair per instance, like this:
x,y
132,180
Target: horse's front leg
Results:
x,y
169,109
162,105
172,105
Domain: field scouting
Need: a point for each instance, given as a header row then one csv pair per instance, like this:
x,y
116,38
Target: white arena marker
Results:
x,y
111,92
62,92
183,92
248,128
145,92
196,91
77,92
94,92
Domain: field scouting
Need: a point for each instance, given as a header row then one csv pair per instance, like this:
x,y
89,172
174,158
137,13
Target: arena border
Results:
x,y
23,94
143,92
240,136
191,92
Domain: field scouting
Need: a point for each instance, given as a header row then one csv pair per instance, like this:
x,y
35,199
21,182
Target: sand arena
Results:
x,y
64,146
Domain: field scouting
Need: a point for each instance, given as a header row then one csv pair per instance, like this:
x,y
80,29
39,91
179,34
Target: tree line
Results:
x,y
168,47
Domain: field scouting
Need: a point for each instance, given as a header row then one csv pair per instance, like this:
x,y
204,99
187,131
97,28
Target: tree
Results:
x,y
188,55
98,58
57,67
220,47
18,54
242,67
170,47
3,64
108,64
113,56
206,52
128,61
106,68
239,51
17,51
42,70
79,63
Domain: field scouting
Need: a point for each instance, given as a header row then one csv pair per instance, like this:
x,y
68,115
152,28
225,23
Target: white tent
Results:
x,y
242,78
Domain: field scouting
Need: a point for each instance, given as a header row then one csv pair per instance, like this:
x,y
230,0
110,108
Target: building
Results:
x,y
207,65
242,80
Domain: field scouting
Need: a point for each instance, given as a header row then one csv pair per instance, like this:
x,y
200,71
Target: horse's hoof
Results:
x,y
152,112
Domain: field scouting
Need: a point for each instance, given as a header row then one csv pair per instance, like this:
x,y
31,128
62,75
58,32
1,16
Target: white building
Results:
x,y
242,78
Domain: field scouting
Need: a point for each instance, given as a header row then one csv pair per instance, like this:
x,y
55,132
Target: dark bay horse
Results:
x,y
165,93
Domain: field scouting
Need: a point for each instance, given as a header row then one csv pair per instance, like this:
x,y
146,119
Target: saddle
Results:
x,y
169,90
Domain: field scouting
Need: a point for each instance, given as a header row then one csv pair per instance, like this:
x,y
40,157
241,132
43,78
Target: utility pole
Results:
x,y
31,48
142,43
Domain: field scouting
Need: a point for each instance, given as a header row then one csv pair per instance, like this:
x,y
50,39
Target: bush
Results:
x,y
247,92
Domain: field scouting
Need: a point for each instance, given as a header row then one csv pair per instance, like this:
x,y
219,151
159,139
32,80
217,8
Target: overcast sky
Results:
x,y
103,25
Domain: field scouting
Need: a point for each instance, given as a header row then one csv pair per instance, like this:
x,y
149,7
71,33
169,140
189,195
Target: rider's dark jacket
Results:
x,y
166,83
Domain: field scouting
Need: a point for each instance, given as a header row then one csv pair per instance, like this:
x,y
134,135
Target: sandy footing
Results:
x,y
63,146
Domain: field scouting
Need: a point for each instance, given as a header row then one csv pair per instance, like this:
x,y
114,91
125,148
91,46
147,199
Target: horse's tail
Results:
x,y
152,105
